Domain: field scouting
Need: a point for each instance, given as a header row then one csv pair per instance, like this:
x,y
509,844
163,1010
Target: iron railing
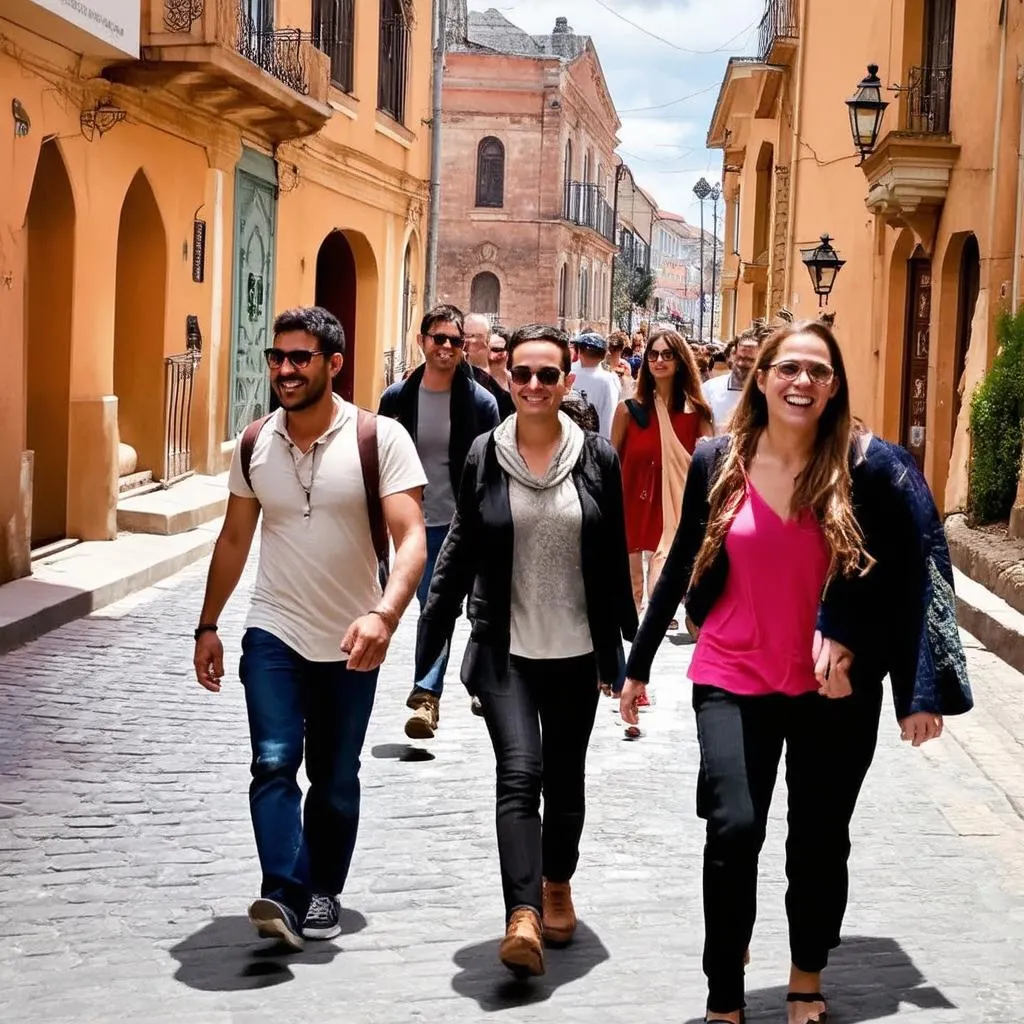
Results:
x,y
779,22
333,31
584,204
179,380
394,65
929,91
276,51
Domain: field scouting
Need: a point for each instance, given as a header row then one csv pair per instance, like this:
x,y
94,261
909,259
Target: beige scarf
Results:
x,y
675,464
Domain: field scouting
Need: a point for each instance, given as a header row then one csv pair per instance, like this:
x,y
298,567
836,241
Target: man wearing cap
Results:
x,y
597,386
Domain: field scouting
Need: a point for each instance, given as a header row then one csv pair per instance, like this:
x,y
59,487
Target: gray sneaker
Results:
x,y
323,919
274,920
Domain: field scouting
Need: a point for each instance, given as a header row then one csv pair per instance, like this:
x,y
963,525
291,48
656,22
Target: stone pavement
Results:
x,y
126,858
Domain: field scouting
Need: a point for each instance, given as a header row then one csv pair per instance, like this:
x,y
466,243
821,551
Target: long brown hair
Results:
x,y
823,486
685,382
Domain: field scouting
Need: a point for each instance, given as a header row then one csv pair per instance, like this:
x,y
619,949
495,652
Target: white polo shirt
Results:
x,y
317,573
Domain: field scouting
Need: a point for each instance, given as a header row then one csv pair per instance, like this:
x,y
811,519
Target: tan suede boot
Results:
x,y
559,913
522,951
426,708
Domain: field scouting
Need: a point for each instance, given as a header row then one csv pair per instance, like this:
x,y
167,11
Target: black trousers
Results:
x,y
829,747
540,718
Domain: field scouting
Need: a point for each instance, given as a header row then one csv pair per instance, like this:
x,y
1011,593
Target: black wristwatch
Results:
x,y
205,627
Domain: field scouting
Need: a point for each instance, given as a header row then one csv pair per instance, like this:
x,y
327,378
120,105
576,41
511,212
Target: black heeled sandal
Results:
x,y
810,997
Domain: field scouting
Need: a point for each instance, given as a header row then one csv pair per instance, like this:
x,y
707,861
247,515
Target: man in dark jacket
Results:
x,y
444,410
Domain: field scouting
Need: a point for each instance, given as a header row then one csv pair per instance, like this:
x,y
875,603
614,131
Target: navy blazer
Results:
x,y
476,559
899,619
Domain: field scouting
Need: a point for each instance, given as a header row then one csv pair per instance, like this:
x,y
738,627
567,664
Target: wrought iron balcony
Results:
x,y
276,51
778,32
585,205
929,91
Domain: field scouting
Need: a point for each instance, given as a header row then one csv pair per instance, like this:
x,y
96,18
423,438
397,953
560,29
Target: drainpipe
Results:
x,y
794,149
1018,238
993,196
434,221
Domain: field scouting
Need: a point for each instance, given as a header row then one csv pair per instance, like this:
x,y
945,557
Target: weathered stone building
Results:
x,y
528,177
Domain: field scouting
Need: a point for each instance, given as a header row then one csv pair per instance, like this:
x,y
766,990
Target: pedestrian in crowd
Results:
x,y
799,519
477,349
318,626
616,364
639,345
655,435
539,541
597,386
497,356
444,410
722,393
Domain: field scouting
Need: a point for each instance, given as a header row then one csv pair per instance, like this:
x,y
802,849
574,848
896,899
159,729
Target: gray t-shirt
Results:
x,y
433,435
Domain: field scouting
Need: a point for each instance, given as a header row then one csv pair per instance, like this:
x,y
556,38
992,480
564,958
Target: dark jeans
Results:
x,y
829,747
323,706
540,718
434,679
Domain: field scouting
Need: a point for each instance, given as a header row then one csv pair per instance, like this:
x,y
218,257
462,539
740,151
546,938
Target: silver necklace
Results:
x,y
307,488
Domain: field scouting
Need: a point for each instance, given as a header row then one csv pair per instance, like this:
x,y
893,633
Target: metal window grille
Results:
x,y
779,22
333,33
393,60
276,51
179,380
929,94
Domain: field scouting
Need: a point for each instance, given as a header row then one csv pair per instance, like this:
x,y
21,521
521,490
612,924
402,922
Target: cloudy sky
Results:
x,y
675,50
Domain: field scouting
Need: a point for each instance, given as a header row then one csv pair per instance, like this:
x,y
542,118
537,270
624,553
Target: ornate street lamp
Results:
x,y
866,110
701,190
823,263
716,194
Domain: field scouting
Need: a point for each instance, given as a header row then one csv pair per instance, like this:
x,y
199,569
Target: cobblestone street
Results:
x,y
127,860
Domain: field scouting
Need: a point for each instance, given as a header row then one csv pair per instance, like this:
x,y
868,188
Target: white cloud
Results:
x,y
664,147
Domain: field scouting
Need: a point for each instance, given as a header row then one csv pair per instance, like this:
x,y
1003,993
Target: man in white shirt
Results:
x,y
319,625
597,386
722,393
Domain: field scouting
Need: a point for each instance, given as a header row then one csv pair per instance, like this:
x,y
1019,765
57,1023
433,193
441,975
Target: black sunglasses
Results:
x,y
298,357
440,339
548,376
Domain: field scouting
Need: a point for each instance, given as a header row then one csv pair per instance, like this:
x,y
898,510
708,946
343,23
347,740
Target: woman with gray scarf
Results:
x,y
538,543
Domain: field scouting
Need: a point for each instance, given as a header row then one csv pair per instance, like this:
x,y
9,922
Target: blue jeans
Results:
x,y
322,706
434,679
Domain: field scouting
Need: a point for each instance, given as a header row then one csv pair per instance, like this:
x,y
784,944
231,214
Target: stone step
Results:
x,y
132,482
179,508
985,615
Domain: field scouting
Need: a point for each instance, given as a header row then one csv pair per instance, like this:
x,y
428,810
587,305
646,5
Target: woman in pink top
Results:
x,y
770,530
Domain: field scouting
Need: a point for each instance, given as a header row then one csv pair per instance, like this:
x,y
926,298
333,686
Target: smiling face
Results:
x,y
533,398
476,332
799,381
662,359
440,350
301,387
743,359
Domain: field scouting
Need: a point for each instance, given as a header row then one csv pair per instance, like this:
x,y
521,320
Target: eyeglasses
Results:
x,y
441,339
548,376
497,350
789,370
298,357
661,355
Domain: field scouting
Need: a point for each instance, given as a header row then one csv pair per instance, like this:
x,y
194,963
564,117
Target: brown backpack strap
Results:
x,y
247,443
369,461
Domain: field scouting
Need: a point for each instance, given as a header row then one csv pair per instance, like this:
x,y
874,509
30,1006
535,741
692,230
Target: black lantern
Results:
x,y
866,110
823,263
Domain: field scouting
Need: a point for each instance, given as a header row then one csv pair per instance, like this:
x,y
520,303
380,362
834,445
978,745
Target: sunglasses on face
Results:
x,y
548,376
789,370
497,350
300,358
661,355
442,339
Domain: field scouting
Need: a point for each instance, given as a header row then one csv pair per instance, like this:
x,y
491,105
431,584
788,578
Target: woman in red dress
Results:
x,y
655,460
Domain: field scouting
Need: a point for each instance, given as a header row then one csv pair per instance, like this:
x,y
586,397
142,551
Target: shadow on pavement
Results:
x,y
867,979
483,979
401,752
227,955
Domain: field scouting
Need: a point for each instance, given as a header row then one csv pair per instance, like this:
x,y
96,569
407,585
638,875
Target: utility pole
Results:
x,y
434,217
701,190
716,193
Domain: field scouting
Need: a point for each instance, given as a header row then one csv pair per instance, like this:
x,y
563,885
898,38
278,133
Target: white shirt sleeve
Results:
x,y
236,481
400,466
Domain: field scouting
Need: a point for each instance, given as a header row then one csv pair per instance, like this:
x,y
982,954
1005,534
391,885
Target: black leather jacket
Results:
x,y
476,559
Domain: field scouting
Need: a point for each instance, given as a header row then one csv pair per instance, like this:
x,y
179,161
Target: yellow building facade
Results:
x,y
175,173
928,223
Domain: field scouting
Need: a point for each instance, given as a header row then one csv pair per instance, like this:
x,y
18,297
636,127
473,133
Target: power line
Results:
x,y
672,103
667,42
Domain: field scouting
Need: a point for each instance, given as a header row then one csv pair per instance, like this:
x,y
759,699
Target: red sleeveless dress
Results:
x,y
641,476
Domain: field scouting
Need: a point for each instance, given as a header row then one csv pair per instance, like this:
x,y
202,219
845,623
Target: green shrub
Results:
x,y
997,418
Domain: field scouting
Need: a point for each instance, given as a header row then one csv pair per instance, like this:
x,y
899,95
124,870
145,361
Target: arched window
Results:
x,y
563,292
568,163
485,294
490,172
584,293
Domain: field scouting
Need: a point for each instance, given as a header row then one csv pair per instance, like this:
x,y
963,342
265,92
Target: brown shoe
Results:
x,y
522,951
426,710
559,913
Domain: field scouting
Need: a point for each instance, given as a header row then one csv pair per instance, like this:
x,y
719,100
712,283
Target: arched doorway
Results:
x,y
50,231
139,326
485,294
967,299
336,291
916,343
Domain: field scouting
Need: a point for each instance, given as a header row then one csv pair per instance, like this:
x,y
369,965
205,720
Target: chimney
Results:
x,y
563,39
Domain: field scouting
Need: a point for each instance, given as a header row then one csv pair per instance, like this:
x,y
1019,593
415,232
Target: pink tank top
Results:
x,y
757,638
